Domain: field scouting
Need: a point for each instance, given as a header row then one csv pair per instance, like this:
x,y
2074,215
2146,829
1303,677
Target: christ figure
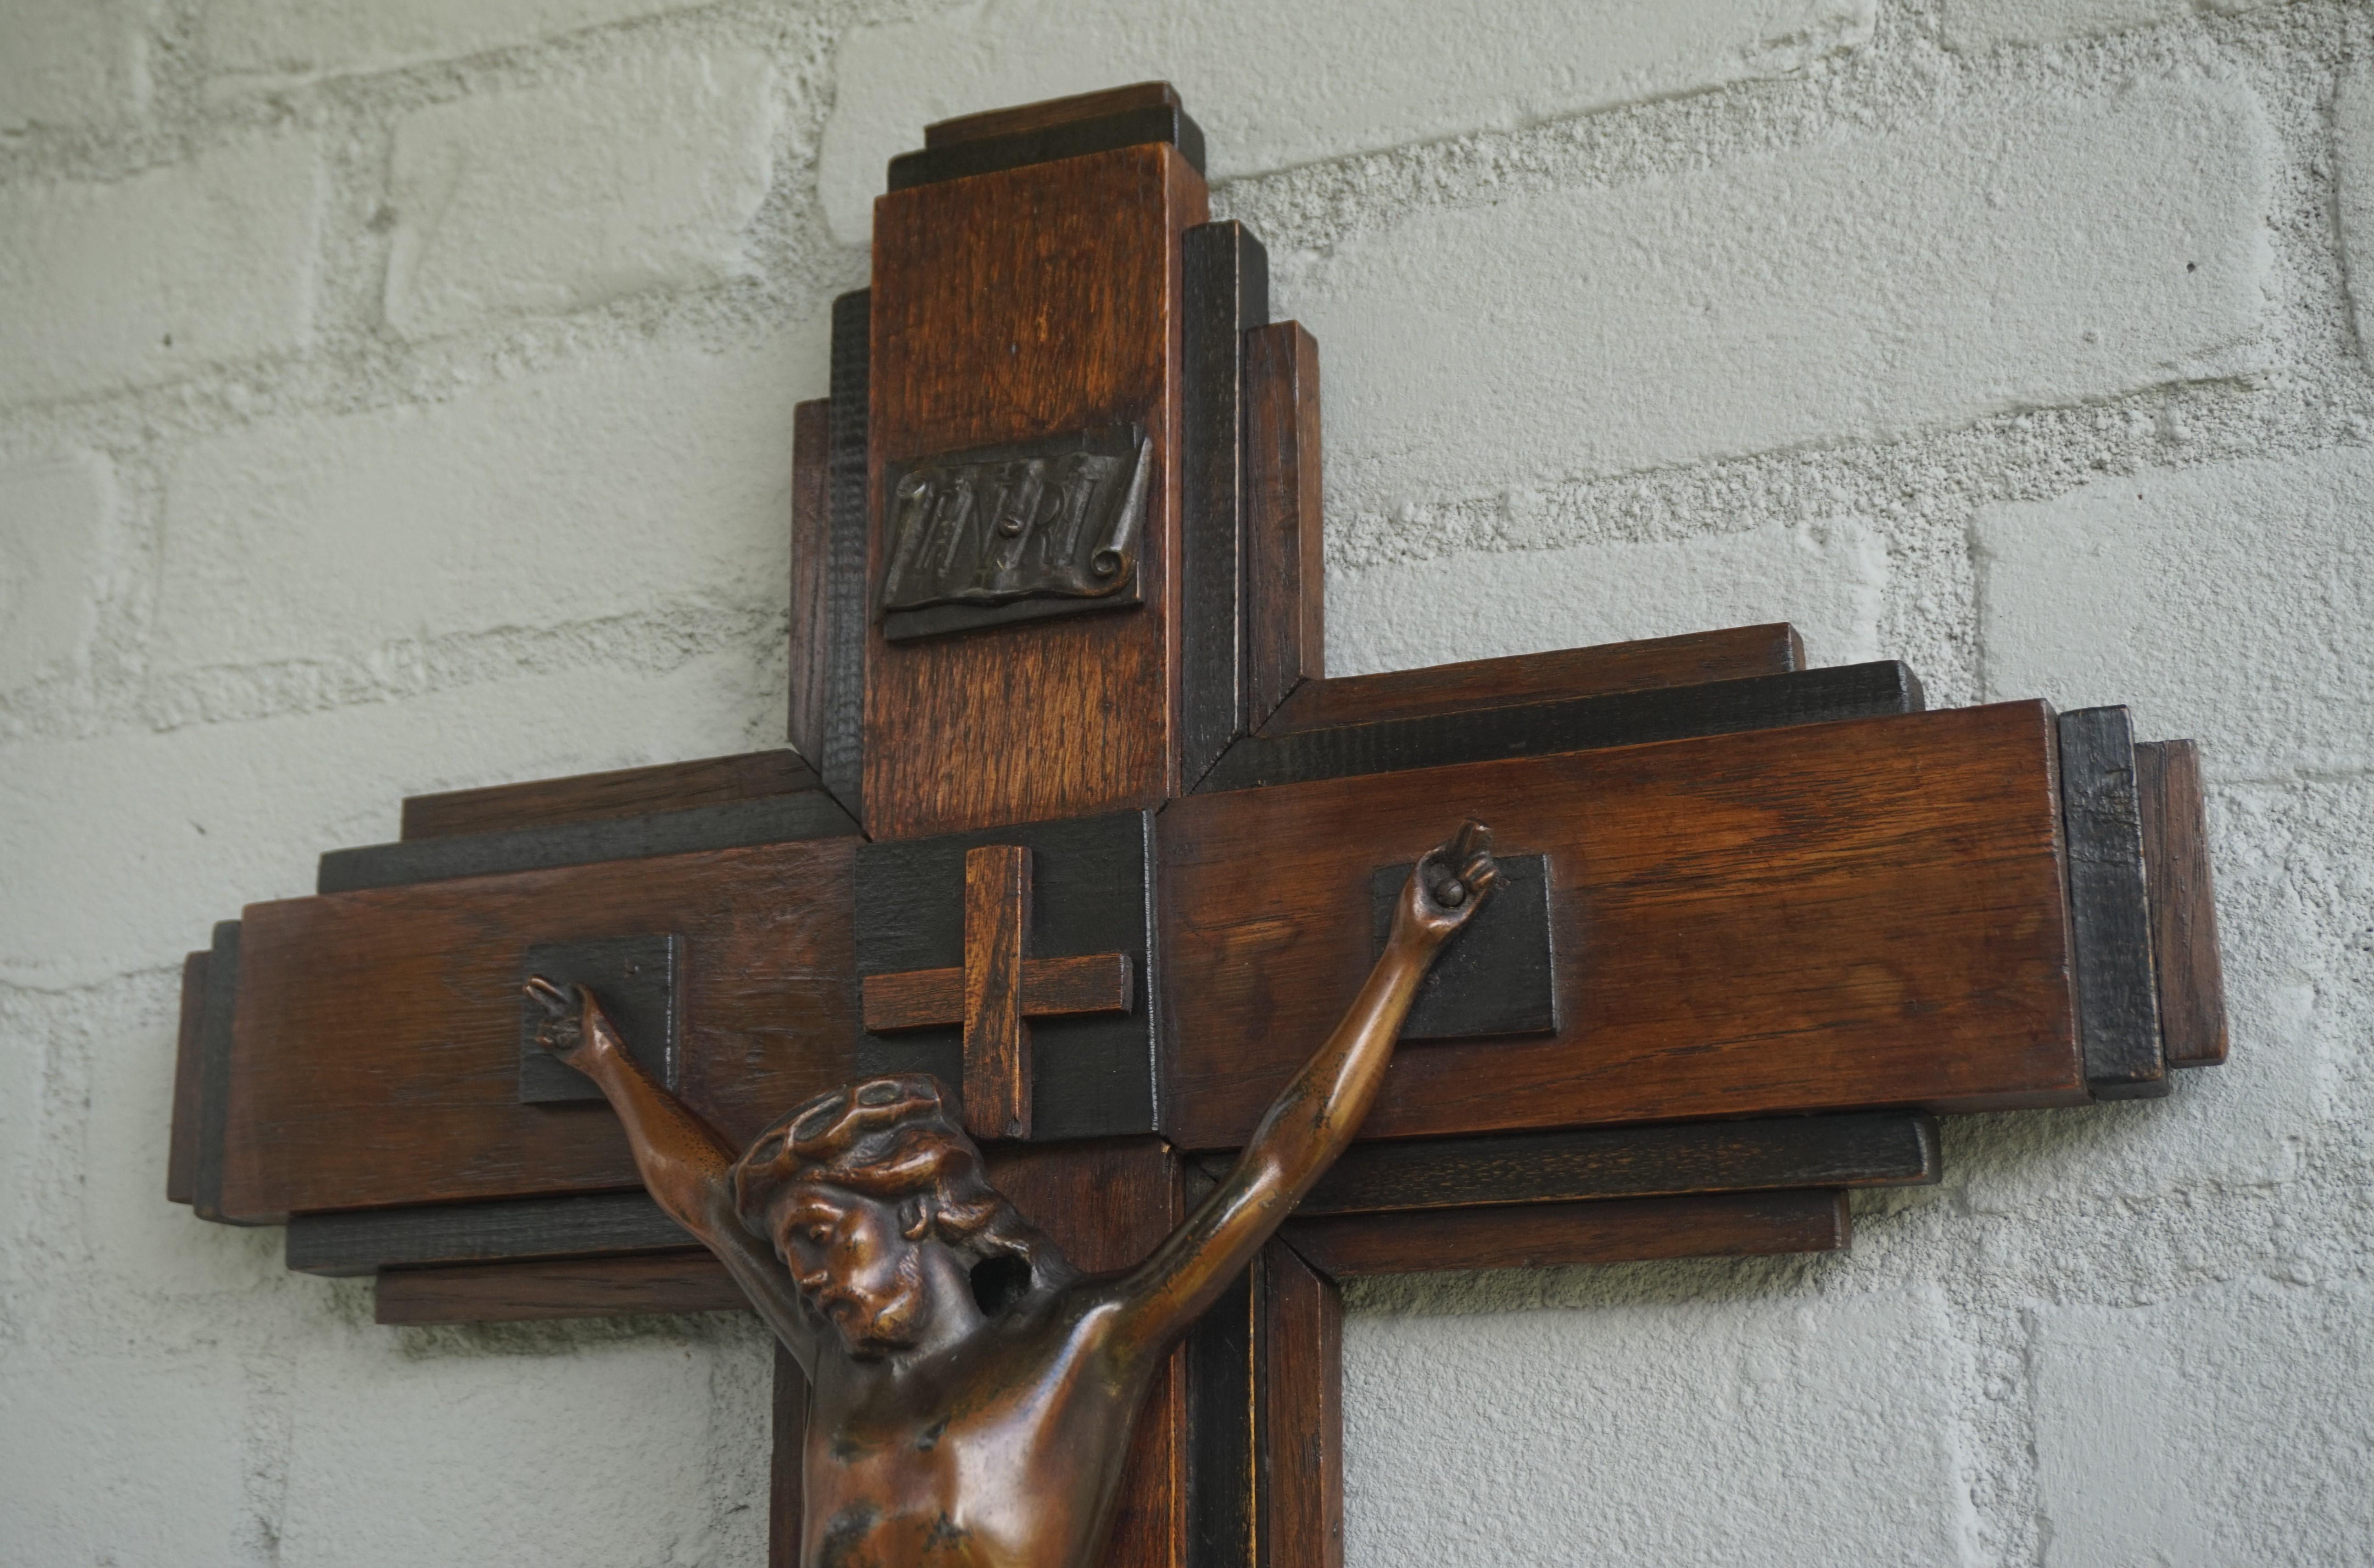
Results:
x,y
971,1392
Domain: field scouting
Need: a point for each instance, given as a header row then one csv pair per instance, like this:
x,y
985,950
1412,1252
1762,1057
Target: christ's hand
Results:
x,y
575,1028
1446,886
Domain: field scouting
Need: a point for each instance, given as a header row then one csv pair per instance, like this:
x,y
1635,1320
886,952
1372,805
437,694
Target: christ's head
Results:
x,y
875,1200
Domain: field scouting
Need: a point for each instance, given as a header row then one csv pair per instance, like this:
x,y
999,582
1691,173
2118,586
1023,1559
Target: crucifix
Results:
x,y
1075,859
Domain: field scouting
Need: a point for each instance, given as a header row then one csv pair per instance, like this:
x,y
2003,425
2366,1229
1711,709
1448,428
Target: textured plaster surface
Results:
x,y
2020,339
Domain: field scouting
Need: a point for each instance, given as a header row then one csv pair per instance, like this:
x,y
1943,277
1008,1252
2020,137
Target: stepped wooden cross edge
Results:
x,y
1072,819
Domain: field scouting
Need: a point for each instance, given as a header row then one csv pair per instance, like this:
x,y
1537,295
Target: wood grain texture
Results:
x,y
1076,987
1285,565
1022,305
2118,997
598,797
1300,1457
1735,654
2173,816
812,620
1550,1235
1874,1149
991,123
556,1288
996,1036
1226,283
376,1058
786,1463
1541,729
1061,128
1811,919
848,472
189,1068
769,819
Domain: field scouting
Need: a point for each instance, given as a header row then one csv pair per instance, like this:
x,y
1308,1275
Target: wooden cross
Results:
x,y
998,990
1073,818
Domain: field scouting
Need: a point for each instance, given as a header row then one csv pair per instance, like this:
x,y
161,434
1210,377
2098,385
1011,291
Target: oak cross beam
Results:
x,y
998,990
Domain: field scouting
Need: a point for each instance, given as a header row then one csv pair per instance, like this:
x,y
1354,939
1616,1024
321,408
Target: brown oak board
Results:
x,y
1826,917
2184,903
1025,306
376,1053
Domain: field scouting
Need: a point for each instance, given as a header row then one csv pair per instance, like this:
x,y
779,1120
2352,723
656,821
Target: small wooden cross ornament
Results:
x,y
997,992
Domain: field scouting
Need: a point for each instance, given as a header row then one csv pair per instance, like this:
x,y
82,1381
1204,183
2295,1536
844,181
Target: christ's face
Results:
x,y
852,1262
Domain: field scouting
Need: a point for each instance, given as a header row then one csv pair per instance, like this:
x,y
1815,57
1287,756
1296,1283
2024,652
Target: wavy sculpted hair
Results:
x,y
892,1139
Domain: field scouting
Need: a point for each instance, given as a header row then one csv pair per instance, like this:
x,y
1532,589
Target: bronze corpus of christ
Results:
x,y
972,1393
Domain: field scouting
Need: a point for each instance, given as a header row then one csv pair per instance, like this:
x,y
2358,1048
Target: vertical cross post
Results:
x,y
996,1034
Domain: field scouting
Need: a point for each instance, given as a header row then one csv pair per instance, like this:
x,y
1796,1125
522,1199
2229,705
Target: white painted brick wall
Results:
x,y
1983,24
53,521
338,537
1857,288
1276,83
1635,318
640,177
151,277
1829,579
66,62
268,42
2222,603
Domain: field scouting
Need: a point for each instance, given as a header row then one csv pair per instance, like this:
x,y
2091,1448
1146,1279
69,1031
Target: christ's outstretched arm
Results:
x,y
1322,1108
687,1166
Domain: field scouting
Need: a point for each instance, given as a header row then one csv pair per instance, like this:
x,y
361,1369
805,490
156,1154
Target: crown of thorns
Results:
x,y
886,1137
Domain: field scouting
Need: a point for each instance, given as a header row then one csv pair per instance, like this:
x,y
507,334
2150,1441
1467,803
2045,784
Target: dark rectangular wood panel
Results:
x,y
1299,1363
217,1022
189,1068
594,797
1541,729
1548,1235
1875,1149
1735,654
1811,919
1061,128
560,1287
766,819
1286,558
377,1050
2184,903
1022,305
2118,999
812,620
1226,284
849,477
991,124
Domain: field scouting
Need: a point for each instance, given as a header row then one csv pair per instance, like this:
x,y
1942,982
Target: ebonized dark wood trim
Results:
x,y
842,762
1046,142
620,792
2109,912
1617,719
213,1073
1554,1235
547,1288
364,1241
189,1066
1220,1431
1864,1149
781,819
1226,288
